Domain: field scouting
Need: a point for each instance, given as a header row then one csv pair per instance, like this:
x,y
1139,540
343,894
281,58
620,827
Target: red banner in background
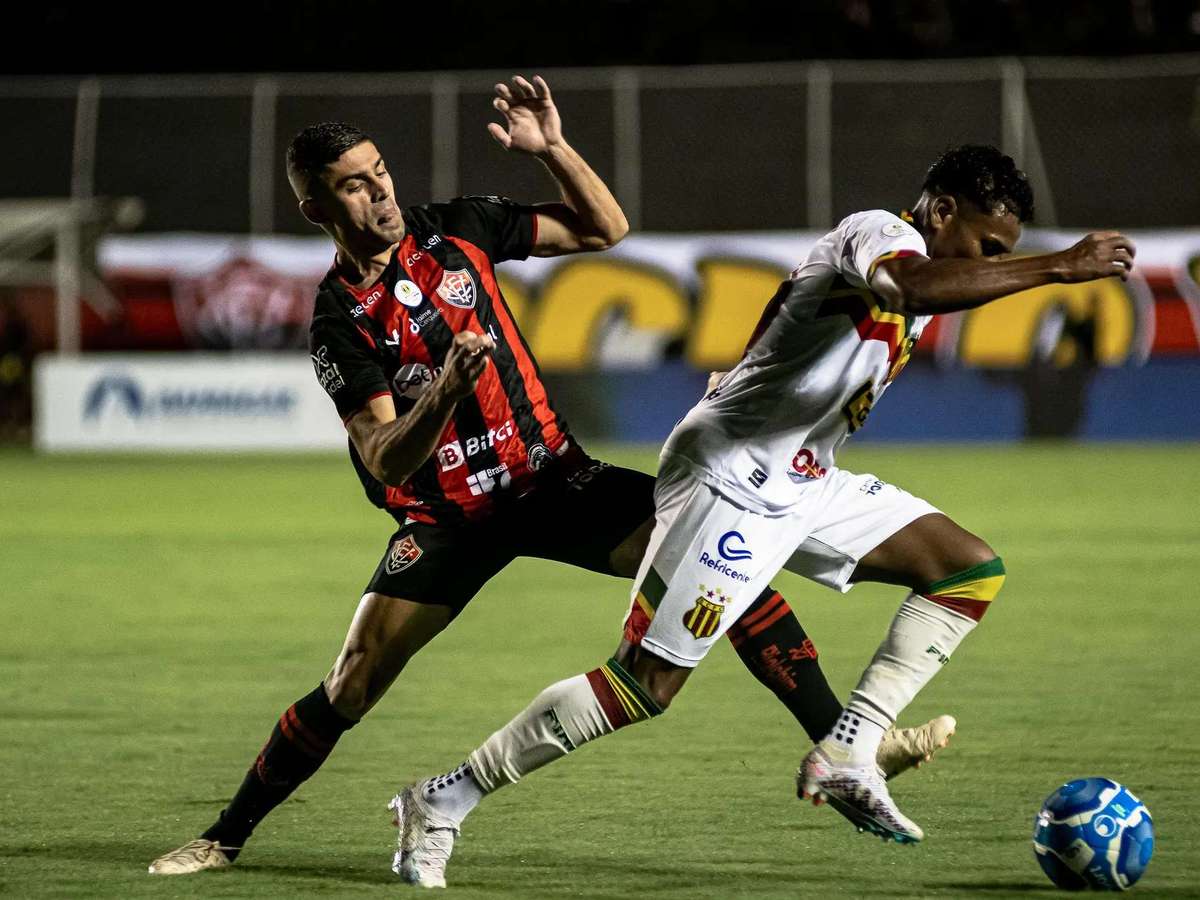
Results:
x,y
651,298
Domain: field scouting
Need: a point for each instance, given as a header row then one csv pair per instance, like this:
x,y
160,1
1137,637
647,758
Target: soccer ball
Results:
x,y
1093,833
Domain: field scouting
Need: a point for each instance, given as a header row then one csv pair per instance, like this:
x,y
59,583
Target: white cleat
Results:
x,y
194,856
859,793
425,840
906,748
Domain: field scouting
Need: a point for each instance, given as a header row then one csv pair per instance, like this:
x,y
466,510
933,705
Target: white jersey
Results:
x,y
822,355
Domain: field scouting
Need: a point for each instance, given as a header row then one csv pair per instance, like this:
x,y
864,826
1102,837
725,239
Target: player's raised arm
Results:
x,y
589,217
918,285
393,448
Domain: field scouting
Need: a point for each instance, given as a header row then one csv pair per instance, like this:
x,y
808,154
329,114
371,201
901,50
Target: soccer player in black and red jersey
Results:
x,y
451,432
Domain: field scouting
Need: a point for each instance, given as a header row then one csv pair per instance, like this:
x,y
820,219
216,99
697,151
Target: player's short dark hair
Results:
x,y
319,145
985,176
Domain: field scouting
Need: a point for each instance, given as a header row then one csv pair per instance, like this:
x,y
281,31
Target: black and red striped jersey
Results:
x,y
393,336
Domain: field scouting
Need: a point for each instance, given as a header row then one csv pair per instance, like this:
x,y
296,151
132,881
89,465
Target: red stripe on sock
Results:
x,y
613,710
747,620
782,610
287,724
307,733
972,609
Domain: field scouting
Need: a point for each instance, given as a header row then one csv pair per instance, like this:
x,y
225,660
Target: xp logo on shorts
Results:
x,y
728,546
403,554
458,289
804,467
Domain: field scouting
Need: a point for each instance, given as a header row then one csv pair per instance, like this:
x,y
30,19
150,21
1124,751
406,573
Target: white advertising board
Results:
x,y
185,401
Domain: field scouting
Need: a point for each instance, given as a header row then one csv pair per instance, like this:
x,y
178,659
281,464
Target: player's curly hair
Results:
x,y
317,146
983,175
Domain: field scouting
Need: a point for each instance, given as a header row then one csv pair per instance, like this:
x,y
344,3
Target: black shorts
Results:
x,y
577,518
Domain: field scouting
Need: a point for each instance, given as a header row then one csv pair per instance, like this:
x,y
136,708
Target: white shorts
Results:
x,y
708,559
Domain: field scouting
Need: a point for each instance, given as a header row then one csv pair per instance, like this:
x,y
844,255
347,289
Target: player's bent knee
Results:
x,y
971,591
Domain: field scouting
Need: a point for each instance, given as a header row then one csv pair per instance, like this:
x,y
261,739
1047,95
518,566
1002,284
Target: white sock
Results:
x,y
453,794
561,718
854,738
919,642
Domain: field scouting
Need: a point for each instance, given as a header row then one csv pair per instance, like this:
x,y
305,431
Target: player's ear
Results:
x,y
942,208
311,210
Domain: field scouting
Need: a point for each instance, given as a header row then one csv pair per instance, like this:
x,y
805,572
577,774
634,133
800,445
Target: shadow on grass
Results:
x,y
985,887
1045,887
137,856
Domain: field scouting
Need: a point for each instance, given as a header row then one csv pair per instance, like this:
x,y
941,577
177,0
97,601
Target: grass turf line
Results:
x,y
160,613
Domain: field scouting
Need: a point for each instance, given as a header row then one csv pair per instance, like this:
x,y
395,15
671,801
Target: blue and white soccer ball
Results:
x,y
1093,833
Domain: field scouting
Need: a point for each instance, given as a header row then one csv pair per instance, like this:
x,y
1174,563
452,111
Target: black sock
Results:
x,y
300,741
773,645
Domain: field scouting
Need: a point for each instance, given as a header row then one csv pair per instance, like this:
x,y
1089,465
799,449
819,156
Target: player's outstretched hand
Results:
x,y
465,362
1099,255
531,119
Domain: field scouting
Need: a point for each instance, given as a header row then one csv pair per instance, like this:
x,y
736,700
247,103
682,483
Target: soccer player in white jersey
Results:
x,y
748,484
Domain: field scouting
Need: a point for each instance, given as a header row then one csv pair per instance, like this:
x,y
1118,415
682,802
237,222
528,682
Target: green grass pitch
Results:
x,y
159,613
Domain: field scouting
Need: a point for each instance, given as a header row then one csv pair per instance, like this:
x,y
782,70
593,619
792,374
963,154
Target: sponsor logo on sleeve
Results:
x,y
458,289
895,229
758,478
403,554
327,371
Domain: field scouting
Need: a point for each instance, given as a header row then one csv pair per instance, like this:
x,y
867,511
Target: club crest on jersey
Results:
x,y
703,619
403,554
458,289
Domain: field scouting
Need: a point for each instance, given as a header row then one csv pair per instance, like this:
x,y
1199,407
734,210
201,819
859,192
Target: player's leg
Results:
x,y
674,620
601,519
875,531
953,576
422,562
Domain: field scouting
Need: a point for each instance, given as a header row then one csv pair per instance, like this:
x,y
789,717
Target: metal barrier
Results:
x,y
766,146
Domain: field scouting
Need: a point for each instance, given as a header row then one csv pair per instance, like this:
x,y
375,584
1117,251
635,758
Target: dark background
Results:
x,y
370,35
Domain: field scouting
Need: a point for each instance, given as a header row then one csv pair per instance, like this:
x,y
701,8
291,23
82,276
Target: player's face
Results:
x,y
355,197
965,231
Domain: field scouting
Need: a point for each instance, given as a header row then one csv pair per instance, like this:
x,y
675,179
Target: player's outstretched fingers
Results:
x,y
500,134
542,89
502,91
524,88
